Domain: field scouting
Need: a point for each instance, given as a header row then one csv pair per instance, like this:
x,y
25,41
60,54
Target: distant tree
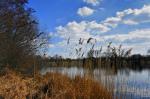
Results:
x,y
148,52
57,57
19,34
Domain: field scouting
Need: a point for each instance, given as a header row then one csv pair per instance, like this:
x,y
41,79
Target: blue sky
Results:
x,y
120,21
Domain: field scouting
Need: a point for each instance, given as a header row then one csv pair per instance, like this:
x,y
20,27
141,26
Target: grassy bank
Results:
x,y
50,86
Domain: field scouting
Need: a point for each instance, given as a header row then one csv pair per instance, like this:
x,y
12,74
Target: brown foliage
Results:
x,y
20,37
50,86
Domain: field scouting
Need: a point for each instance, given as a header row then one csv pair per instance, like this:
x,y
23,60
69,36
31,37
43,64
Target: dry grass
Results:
x,y
15,86
50,86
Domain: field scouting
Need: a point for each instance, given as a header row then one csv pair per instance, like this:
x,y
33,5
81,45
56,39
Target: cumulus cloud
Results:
x,y
86,29
101,28
134,14
144,10
136,39
143,34
51,45
112,21
129,17
82,29
74,30
85,11
93,2
130,22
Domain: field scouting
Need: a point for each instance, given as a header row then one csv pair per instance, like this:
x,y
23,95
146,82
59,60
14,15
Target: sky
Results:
x,y
125,22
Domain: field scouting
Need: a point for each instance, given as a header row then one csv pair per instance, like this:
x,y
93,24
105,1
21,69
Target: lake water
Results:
x,y
126,83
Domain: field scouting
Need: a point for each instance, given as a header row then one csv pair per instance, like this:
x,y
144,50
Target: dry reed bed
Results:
x,y
50,86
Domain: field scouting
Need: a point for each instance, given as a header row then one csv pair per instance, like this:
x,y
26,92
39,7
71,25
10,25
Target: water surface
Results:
x,y
126,83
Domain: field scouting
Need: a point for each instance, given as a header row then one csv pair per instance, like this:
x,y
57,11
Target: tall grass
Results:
x,y
50,86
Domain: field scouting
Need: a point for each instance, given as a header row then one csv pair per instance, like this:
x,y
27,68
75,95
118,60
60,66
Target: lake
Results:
x,y
126,83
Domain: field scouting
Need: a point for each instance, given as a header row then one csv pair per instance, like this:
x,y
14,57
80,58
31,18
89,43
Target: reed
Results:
x,y
50,86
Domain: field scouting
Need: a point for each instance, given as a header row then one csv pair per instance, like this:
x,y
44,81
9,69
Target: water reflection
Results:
x,y
126,82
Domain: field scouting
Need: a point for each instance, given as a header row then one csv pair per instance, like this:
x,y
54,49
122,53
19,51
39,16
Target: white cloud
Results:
x,y
83,29
74,30
137,39
130,22
138,48
94,26
144,10
142,35
129,17
93,2
112,21
51,45
134,13
85,11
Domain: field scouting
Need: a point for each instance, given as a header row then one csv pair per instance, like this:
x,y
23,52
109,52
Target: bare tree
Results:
x,y
19,34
